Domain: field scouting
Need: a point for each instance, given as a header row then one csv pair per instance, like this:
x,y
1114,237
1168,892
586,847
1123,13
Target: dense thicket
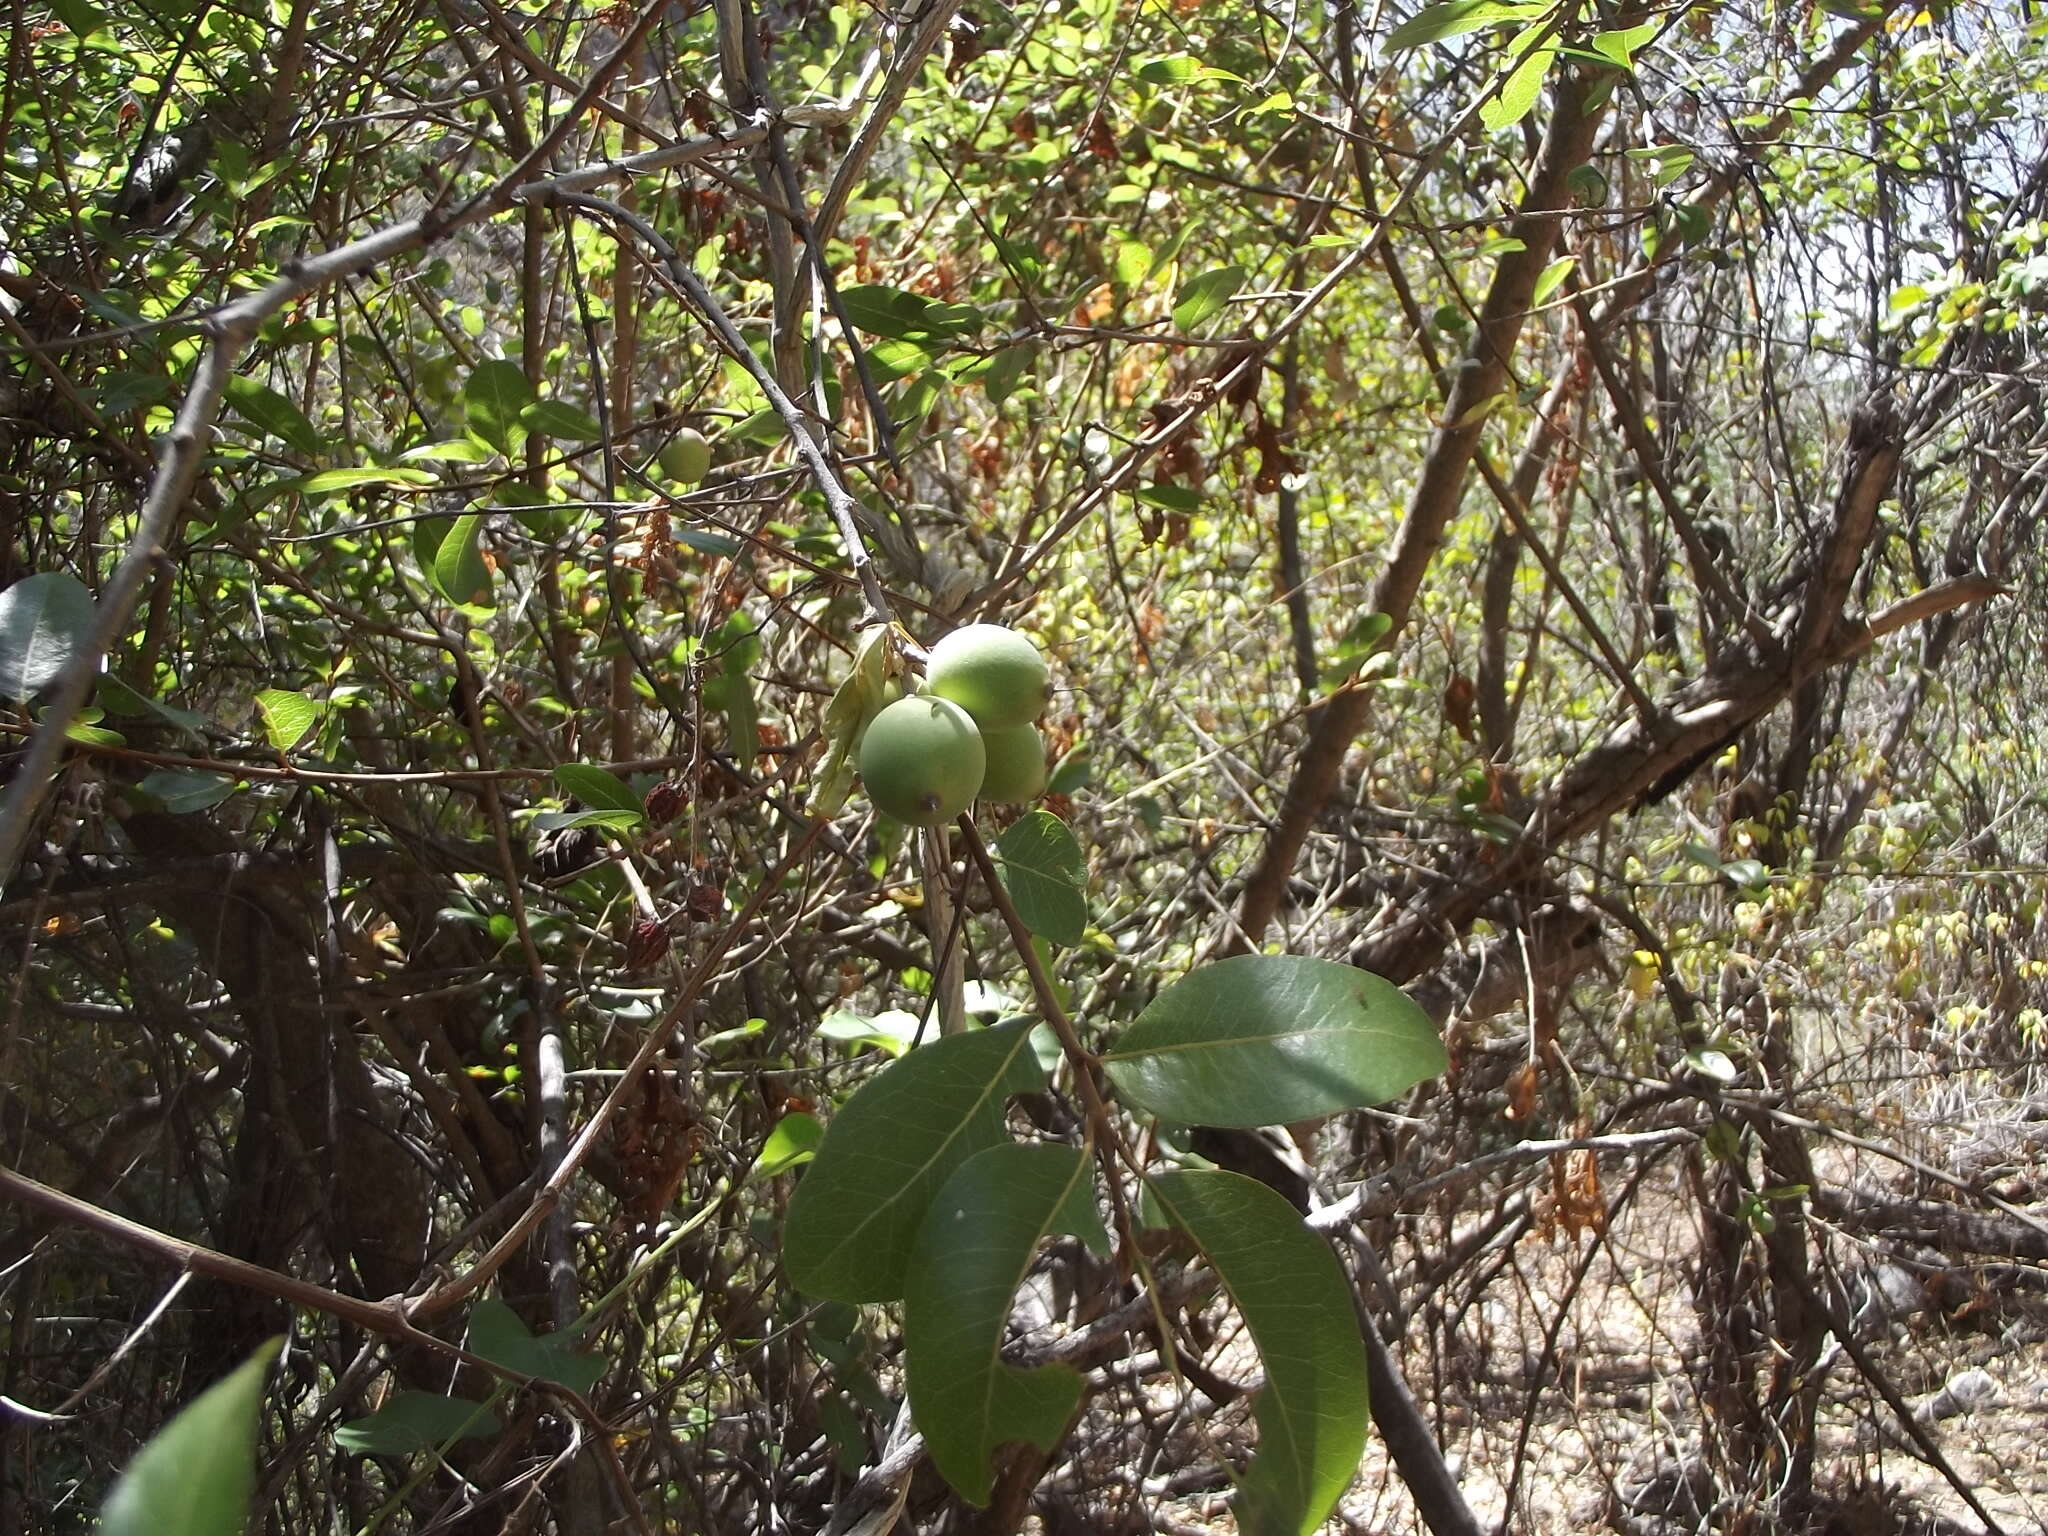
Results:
x,y
1541,502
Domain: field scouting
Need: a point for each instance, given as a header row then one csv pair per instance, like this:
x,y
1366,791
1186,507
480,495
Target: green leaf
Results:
x,y
1454,18
45,621
197,1475
1175,498
617,821
1131,263
288,718
792,1143
492,397
267,410
1620,47
1518,96
120,699
416,1421
1205,295
1005,369
1553,278
881,310
497,1334
598,788
181,791
894,1030
853,1220
557,418
328,481
1266,1039
1293,1297
1046,876
460,574
972,1253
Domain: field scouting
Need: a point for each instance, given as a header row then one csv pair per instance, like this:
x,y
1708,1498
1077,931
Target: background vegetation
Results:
x,y
1540,501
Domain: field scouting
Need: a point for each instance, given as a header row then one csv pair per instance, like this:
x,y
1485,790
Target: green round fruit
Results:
x,y
686,457
922,760
993,673
1016,765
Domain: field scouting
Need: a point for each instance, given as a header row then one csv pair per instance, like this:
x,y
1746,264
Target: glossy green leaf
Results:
x,y
854,1218
881,310
792,1143
1552,278
559,419
460,574
1455,18
197,1475
1046,876
181,791
1620,47
598,788
288,717
1518,95
413,1421
265,409
492,399
497,1333
45,621
328,481
894,1030
1174,498
1293,1297
1267,1039
972,1253
1206,295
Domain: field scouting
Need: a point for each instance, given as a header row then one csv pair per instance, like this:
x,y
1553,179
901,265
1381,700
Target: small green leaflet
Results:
x,y
288,718
45,620
973,1251
1620,47
1131,263
792,1143
1270,1039
264,408
1005,369
854,1218
493,397
1455,18
1553,278
1206,295
197,1476
413,1421
1293,1297
1518,96
856,701
1181,69
1046,876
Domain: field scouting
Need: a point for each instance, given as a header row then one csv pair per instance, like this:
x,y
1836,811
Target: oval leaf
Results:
x,y
972,1252
459,570
1265,1039
558,418
792,1143
492,397
197,1476
854,1218
1203,296
598,788
1045,875
416,1421
1454,18
45,620
270,412
181,792
288,718
1292,1295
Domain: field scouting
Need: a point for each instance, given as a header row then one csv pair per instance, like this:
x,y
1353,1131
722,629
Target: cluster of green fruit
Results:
x,y
968,735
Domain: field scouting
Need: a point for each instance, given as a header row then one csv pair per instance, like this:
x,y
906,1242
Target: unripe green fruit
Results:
x,y
993,673
1016,765
686,457
922,760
